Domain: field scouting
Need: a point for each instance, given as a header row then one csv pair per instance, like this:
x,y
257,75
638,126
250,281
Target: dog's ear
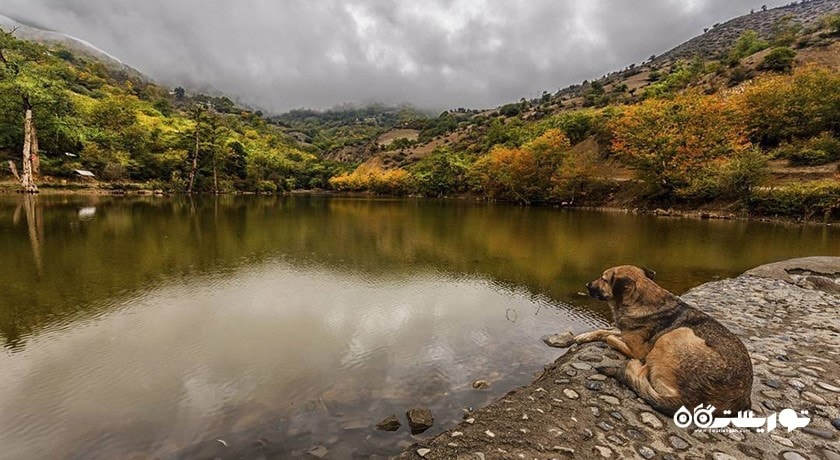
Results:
x,y
649,273
622,287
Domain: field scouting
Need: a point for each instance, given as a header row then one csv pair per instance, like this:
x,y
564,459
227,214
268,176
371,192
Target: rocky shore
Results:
x,y
787,314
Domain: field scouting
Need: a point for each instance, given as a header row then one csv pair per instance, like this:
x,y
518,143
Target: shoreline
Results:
x,y
791,328
693,213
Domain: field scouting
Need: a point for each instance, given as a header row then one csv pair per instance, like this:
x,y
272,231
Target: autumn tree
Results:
x,y
678,145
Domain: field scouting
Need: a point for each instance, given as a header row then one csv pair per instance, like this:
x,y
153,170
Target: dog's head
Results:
x,y
621,285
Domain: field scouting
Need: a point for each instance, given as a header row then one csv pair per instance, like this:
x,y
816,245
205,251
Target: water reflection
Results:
x,y
156,325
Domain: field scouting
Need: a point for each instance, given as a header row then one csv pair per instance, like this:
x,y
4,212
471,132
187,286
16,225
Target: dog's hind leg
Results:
x,y
659,395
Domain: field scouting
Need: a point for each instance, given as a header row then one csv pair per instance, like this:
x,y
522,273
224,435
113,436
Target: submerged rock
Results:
x,y
480,384
420,419
389,423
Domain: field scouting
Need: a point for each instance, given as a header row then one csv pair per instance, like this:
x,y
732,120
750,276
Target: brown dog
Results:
x,y
679,356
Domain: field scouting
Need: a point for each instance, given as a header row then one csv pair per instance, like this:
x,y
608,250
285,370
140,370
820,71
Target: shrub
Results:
x,y
743,172
781,108
808,200
816,151
747,44
779,59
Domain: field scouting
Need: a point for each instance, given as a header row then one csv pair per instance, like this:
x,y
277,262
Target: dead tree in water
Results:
x,y
31,164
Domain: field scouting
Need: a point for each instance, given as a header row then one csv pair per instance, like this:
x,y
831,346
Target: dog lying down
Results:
x,y
679,356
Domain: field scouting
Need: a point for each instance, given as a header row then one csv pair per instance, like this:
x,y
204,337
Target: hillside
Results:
x,y
747,122
97,115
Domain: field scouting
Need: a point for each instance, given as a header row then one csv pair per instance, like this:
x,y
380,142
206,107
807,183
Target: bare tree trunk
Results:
x,y
195,158
35,155
215,177
27,182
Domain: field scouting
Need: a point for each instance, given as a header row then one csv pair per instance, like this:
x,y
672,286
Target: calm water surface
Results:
x,y
151,327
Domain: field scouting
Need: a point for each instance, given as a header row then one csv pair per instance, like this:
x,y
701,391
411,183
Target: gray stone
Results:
x,y
636,435
651,420
605,452
831,455
419,419
560,340
783,441
610,399
813,397
318,451
822,432
828,386
646,452
604,426
594,386
797,384
835,422
789,455
678,443
722,456
582,366
773,394
423,452
389,423
772,383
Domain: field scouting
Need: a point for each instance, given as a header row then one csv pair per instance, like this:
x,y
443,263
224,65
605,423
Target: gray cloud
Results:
x,y
279,55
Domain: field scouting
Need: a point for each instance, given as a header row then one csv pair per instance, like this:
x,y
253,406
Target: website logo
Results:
x,y
703,418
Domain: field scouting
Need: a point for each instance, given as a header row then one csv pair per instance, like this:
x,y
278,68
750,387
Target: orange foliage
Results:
x,y
679,144
375,179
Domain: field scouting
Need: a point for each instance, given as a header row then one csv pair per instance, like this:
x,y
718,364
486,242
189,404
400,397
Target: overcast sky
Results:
x,y
278,55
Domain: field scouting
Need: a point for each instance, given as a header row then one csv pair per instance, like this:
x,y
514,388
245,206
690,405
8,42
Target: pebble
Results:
x,y
604,426
595,411
480,384
822,432
829,387
831,455
797,384
571,394
423,452
617,415
457,434
560,340
651,420
582,366
568,451
814,398
773,394
490,434
789,455
318,451
722,456
605,452
783,441
646,452
610,399
678,443
772,383
594,386
597,377
835,422
635,435
470,420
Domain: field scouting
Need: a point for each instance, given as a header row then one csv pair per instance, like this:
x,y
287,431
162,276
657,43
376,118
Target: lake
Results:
x,y
135,327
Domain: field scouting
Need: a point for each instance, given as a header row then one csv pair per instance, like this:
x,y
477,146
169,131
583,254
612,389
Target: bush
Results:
x,y
442,173
374,179
779,60
807,200
747,44
816,151
744,172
